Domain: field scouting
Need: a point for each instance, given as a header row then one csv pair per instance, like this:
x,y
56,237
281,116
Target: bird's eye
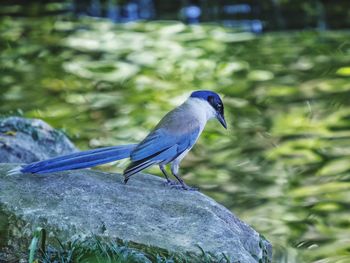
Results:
x,y
219,107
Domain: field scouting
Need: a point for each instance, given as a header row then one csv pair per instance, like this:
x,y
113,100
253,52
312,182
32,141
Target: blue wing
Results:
x,y
160,146
164,144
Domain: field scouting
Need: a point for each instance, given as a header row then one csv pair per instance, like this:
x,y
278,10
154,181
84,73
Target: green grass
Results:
x,y
108,251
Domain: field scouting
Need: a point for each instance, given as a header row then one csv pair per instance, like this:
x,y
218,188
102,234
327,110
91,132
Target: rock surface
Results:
x,y
144,211
92,203
30,140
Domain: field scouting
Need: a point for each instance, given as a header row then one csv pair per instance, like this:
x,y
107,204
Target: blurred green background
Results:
x,y
283,165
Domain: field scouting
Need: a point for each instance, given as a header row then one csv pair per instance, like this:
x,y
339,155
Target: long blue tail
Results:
x,y
79,160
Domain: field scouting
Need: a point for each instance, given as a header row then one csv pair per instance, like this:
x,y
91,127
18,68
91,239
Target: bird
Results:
x,y
168,143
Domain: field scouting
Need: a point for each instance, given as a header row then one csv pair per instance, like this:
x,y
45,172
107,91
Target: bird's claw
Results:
x,y
171,183
190,188
184,187
180,186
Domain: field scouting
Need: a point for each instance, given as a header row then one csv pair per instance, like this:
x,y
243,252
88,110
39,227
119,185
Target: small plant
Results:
x,y
97,249
38,235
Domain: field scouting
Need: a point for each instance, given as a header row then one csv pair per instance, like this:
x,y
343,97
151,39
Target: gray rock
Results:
x,y
144,211
86,203
30,140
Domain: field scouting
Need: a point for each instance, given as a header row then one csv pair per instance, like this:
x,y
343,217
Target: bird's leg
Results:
x,y
169,182
175,171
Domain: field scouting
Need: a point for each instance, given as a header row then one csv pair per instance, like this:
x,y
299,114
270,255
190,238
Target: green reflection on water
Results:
x,y
282,166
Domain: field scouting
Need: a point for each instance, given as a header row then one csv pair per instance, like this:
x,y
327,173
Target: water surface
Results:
x,y
283,164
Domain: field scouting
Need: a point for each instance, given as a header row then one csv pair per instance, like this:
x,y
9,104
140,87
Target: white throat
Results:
x,y
201,108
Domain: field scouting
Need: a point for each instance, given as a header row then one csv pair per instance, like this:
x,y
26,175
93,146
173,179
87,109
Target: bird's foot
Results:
x,y
191,188
184,187
171,183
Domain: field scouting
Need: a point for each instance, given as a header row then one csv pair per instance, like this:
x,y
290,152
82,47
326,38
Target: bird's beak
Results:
x,y
221,119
